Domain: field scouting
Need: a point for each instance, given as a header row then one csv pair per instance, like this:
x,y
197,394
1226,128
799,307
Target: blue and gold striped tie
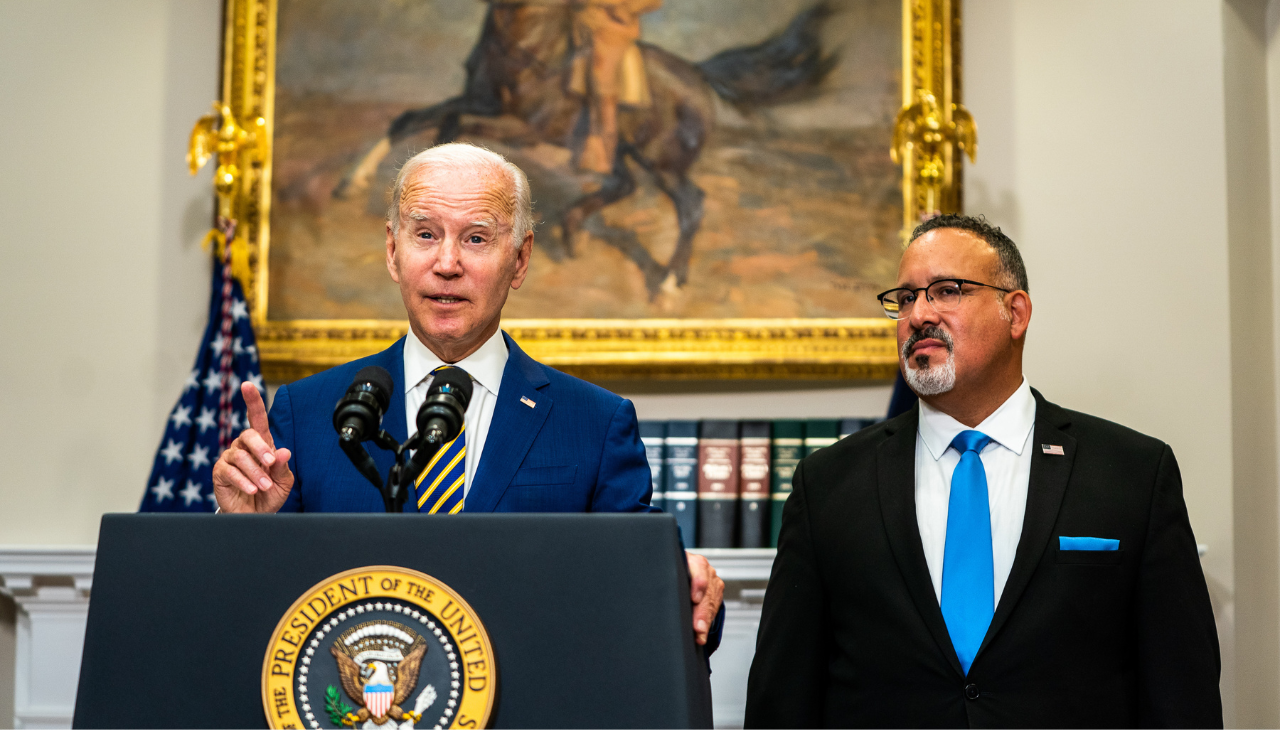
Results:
x,y
441,486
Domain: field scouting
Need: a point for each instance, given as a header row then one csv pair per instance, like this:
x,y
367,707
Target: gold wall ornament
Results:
x,y
598,349
922,142
933,124
241,153
219,135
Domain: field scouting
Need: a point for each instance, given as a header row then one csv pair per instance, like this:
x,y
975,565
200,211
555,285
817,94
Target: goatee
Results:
x,y
927,379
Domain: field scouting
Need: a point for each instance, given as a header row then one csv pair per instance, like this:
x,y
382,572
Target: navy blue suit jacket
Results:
x,y
577,449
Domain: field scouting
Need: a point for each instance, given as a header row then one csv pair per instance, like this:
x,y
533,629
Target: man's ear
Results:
x,y
1019,304
522,260
391,254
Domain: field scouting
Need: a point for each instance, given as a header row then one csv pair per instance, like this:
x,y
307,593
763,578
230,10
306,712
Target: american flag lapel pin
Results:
x,y
1052,449
531,404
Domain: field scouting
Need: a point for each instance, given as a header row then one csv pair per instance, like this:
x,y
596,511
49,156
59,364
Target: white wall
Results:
x,y
103,284
1253,366
1124,147
1105,160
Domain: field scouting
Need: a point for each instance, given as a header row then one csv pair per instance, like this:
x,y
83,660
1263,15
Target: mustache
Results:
x,y
931,332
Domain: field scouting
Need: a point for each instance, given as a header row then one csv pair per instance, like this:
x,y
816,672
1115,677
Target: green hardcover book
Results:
x,y
820,433
788,448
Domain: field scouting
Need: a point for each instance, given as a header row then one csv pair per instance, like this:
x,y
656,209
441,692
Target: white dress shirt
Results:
x,y
1007,462
485,366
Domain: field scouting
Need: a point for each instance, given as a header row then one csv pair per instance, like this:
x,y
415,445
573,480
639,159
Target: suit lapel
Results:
x,y
1045,490
895,464
394,420
511,432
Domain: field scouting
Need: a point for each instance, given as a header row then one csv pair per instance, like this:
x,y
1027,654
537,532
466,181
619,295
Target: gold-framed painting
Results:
x,y
721,187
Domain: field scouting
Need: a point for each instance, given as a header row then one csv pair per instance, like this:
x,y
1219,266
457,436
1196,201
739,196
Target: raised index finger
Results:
x,y
257,412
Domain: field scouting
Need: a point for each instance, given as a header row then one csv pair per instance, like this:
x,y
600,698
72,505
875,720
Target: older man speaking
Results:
x,y
459,235
988,559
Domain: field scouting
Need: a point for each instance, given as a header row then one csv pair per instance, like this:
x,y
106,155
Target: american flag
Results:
x,y
211,411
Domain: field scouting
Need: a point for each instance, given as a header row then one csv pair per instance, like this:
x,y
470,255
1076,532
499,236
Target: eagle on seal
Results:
x,y
354,684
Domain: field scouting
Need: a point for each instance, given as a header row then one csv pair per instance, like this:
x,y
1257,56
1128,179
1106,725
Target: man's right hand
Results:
x,y
252,475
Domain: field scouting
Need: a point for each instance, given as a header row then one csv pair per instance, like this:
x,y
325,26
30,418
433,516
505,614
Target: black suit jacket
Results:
x,y
852,634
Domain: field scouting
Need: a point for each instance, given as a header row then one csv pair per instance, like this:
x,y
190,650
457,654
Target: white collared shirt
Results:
x,y
1007,462
485,366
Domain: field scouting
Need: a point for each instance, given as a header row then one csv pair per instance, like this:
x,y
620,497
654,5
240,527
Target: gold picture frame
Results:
x,y
931,131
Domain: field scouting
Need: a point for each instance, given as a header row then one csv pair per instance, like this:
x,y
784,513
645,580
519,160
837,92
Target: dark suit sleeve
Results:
x,y
787,686
624,483
1178,656
280,419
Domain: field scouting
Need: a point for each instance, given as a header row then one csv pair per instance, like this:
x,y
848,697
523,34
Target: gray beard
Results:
x,y
927,380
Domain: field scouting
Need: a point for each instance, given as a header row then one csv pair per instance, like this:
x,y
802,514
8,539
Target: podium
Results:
x,y
587,616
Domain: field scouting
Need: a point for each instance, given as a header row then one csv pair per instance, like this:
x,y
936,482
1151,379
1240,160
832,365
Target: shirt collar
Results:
x,y
1008,426
485,365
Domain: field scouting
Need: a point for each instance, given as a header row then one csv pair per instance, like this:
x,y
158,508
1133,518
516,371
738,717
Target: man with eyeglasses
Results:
x,y
988,558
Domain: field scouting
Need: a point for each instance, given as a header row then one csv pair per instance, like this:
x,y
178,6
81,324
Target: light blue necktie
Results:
x,y
968,578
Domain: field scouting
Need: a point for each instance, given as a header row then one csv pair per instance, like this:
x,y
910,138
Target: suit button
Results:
x,y
971,691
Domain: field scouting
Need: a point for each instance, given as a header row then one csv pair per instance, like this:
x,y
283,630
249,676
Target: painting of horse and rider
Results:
x,y
687,158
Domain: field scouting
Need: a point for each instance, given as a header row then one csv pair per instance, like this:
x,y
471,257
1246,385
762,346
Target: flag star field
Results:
x,y
182,475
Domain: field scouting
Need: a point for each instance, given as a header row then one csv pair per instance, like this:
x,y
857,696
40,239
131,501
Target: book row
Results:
x,y
726,481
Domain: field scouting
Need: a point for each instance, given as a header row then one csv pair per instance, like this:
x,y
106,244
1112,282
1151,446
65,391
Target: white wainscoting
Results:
x,y
732,661
51,586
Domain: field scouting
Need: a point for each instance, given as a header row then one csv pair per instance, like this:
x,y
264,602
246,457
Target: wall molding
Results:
x,y
50,586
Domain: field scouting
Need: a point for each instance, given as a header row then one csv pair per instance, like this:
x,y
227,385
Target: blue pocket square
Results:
x,y
1087,543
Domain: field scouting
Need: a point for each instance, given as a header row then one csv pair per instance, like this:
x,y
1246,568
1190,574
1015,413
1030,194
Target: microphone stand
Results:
x,y
396,490
363,407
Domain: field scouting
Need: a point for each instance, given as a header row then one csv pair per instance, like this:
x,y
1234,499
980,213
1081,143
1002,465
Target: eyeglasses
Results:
x,y
943,294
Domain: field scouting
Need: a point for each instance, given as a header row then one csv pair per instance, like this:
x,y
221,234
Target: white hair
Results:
x,y
472,158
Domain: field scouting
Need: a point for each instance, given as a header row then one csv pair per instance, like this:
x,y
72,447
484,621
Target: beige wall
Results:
x,y
1105,159
102,285
1253,372
1124,145
1117,146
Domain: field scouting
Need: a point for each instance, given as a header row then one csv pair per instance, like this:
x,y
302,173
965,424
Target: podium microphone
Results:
x,y
440,418
442,413
358,417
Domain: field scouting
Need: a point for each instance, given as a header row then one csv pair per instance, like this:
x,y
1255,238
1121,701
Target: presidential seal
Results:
x,y
379,647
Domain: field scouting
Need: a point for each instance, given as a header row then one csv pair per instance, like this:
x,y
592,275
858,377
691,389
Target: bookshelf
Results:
x,y
725,481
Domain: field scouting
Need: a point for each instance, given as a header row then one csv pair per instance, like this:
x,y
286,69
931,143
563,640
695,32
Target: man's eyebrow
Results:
x,y
935,279
419,216
931,282
483,223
